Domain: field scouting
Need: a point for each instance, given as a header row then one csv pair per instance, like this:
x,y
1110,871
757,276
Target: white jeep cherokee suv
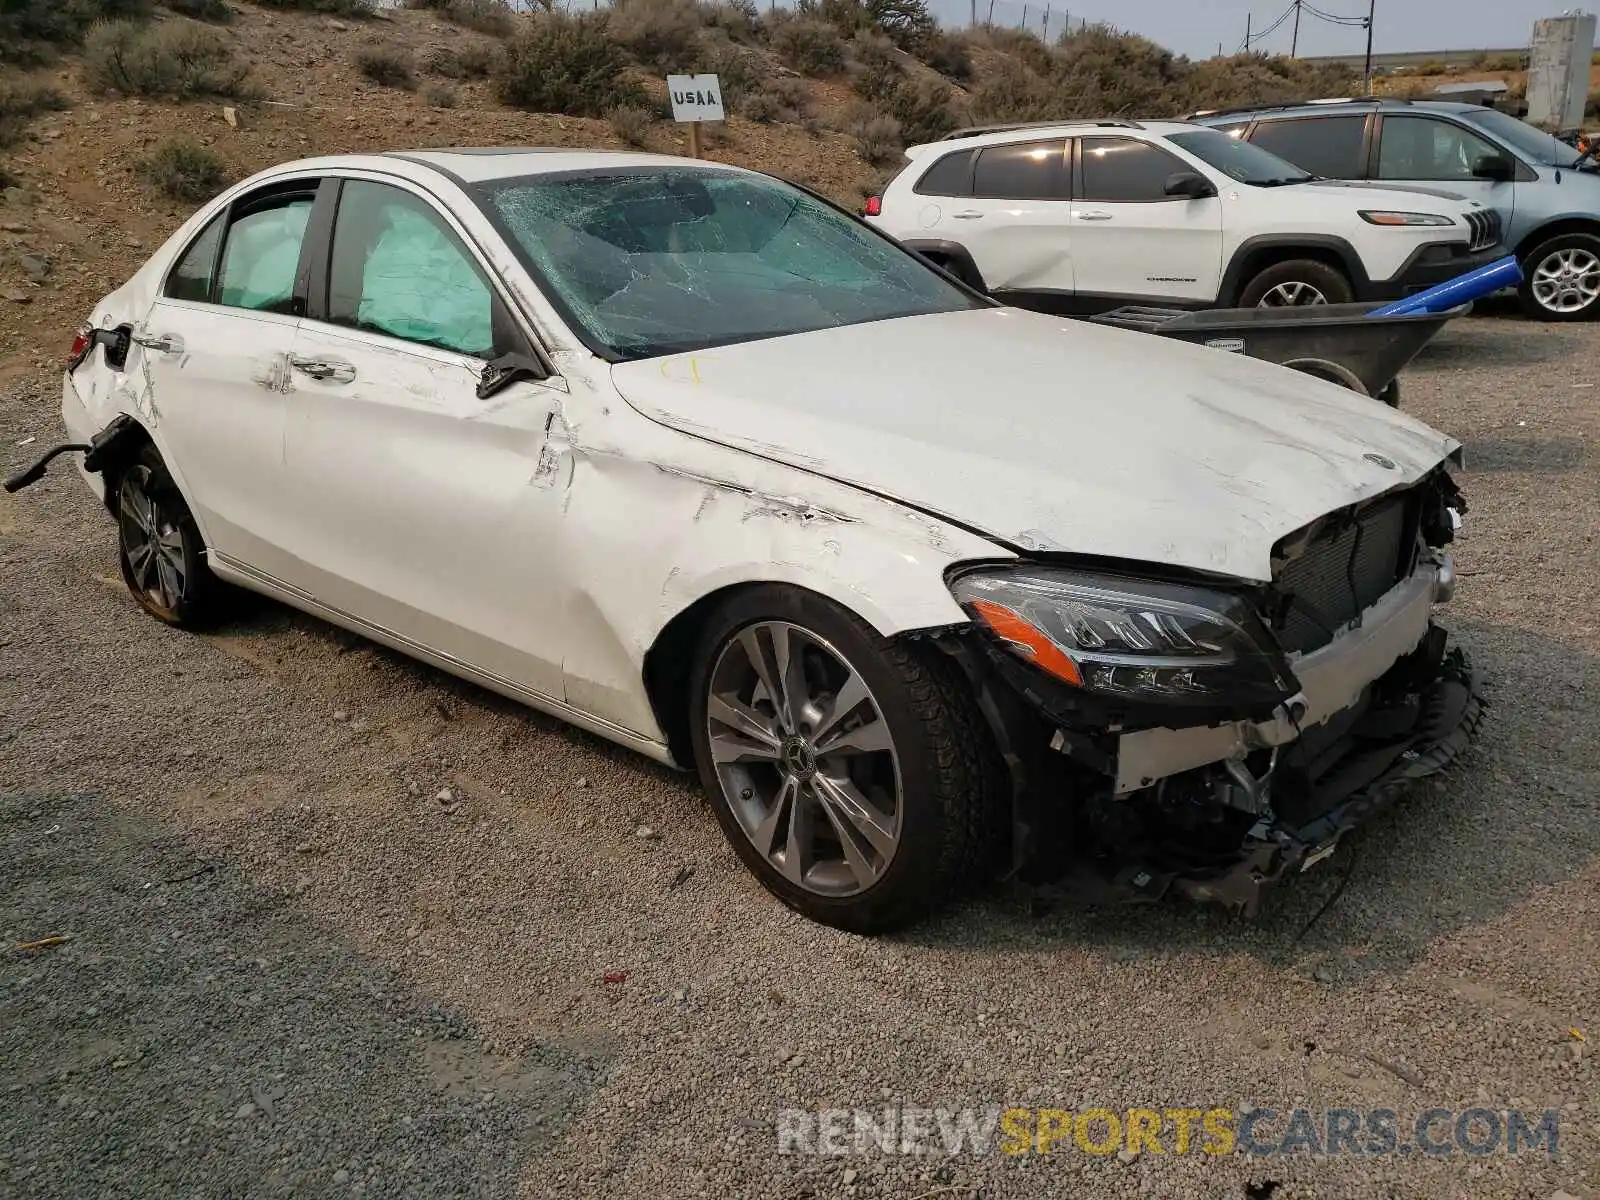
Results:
x,y
1063,215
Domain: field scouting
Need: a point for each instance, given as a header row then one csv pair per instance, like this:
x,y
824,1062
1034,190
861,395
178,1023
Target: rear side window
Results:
x,y
1021,171
950,176
1333,147
1123,170
262,253
191,278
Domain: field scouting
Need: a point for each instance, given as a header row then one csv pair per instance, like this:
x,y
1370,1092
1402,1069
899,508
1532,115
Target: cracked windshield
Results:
x,y
665,261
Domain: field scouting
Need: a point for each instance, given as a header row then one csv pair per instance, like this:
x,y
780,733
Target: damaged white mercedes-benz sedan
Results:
x,y
924,588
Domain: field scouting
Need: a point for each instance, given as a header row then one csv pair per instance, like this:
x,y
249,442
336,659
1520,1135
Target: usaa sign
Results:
x,y
695,98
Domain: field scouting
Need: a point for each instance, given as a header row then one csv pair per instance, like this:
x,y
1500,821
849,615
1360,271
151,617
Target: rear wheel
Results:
x,y
1561,279
159,546
1298,283
852,775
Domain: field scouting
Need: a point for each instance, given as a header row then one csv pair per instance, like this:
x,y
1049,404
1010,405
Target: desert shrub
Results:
x,y
921,107
1011,92
908,23
948,54
632,123
659,33
486,16
215,11
739,20
740,69
32,31
332,8
176,58
1513,62
875,68
810,46
1258,79
1022,44
566,64
472,61
185,171
780,99
20,103
876,135
386,67
439,95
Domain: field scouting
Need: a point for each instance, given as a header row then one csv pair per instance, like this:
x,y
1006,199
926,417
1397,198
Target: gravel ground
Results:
x,y
295,970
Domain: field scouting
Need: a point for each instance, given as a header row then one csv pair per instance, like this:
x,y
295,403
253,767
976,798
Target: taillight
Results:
x,y
874,206
82,343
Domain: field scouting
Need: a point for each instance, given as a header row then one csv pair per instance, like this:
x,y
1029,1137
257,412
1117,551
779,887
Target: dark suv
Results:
x,y
1547,194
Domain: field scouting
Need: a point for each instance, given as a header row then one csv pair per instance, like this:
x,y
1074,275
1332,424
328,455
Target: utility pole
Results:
x,y
1247,19
974,21
1372,10
1047,24
1024,22
1294,42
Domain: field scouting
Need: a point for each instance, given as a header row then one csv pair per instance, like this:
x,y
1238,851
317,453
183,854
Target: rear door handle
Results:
x,y
165,343
331,370
1094,215
969,215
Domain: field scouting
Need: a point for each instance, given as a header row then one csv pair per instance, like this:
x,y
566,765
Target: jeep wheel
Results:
x,y
1561,279
1295,284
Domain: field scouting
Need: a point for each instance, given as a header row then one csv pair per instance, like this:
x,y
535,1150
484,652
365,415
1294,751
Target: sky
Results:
x,y
1194,27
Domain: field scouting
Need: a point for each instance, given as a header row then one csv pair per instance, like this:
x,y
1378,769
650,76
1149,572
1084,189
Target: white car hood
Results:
x,y
1048,434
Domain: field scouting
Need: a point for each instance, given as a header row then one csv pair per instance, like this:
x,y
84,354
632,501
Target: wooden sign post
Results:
x,y
695,98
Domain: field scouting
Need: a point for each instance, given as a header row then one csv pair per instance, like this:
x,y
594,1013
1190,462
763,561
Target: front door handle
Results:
x,y
1094,215
331,370
165,343
969,215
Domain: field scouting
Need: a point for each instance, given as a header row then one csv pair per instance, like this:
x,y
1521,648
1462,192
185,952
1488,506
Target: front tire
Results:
x,y
1299,283
159,546
1561,279
853,775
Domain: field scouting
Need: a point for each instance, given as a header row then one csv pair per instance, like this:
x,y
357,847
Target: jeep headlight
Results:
x,y
1131,639
1385,217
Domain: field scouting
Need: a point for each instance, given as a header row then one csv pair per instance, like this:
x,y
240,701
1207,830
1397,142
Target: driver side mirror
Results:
x,y
1190,185
1493,166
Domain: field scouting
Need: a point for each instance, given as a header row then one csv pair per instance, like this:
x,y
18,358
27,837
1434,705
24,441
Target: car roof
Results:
x,y
478,164
1023,131
1312,108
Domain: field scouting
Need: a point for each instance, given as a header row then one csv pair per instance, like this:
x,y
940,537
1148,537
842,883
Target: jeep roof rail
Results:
x,y
1013,126
1266,108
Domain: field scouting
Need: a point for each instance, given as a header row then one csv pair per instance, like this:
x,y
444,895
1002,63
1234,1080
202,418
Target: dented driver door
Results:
x,y
421,508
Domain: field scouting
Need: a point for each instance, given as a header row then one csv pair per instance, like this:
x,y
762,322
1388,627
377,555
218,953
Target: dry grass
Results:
x,y
180,59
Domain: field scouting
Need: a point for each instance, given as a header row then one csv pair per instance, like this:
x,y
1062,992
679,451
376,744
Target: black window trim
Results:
x,y
1369,143
1063,170
1080,190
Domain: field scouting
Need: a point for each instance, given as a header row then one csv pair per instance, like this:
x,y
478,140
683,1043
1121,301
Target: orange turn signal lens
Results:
x,y
1028,641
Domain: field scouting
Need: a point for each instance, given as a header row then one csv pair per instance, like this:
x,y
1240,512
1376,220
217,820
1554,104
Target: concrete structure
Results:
x,y
1558,70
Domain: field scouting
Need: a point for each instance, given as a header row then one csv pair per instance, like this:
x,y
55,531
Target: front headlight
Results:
x,y
1382,217
1137,640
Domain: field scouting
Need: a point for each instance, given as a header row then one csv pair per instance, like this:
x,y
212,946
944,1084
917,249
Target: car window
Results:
x,y
1425,149
262,253
645,261
1021,171
398,269
950,176
1327,146
1127,171
191,278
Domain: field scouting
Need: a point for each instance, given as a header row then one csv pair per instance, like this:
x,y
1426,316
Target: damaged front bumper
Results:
x,y
1219,812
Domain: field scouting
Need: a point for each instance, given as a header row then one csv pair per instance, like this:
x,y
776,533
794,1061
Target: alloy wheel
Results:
x,y
805,758
1292,294
1567,281
152,542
